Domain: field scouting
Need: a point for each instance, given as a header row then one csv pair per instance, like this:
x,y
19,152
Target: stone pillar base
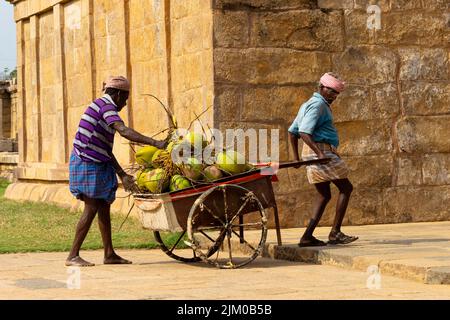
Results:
x,y
8,165
60,195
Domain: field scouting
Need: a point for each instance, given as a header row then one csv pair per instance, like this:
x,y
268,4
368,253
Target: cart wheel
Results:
x,y
228,205
173,244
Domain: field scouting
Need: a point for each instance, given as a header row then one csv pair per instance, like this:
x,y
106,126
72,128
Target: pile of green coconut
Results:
x,y
159,173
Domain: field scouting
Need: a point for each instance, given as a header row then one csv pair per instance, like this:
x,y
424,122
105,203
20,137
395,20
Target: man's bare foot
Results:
x,y
115,259
78,262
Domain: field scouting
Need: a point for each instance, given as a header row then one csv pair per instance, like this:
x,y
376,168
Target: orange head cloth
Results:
x,y
328,80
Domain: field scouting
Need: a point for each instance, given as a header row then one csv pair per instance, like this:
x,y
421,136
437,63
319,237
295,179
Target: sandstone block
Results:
x,y
359,138
263,4
231,29
425,98
370,171
406,4
436,169
228,103
409,170
303,30
269,66
366,103
398,28
366,65
424,64
336,4
436,4
416,134
416,204
250,129
191,34
274,104
363,4
295,209
181,8
365,206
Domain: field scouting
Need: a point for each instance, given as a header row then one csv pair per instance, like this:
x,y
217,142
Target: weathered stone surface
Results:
x,y
365,206
263,4
436,169
363,4
425,98
398,28
406,4
366,103
303,30
295,208
371,171
364,137
409,170
405,204
228,103
269,66
436,4
417,134
366,65
335,4
274,103
250,129
231,29
424,64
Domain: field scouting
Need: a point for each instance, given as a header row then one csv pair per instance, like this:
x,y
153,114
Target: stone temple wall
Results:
x,y
255,62
393,119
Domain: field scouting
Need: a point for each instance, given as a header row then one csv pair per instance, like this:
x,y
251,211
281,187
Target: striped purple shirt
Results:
x,y
95,136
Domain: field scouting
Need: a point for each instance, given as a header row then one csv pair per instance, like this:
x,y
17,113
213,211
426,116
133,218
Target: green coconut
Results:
x,y
179,182
192,169
141,176
156,155
196,139
231,161
155,181
144,155
212,173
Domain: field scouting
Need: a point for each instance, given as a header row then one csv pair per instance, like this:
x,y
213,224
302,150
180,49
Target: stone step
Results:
x,y
413,251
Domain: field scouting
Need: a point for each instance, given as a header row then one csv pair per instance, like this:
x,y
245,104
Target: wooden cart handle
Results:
x,y
291,164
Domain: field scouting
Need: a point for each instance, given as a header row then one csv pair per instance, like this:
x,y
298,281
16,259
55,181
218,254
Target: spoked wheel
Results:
x,y
224,213
173,244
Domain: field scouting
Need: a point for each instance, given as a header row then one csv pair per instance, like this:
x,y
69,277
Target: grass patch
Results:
x,y
40,227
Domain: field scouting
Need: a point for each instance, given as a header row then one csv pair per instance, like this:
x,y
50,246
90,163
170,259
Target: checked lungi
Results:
x,y
96,180
333,170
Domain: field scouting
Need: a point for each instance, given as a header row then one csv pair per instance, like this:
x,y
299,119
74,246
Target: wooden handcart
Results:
x,y
210,220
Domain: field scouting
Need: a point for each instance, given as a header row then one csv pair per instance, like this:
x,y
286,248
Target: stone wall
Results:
x,y
255,61
67,48
392,119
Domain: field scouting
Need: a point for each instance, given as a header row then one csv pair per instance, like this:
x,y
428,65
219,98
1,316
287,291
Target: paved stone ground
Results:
x,y
156,276
414,251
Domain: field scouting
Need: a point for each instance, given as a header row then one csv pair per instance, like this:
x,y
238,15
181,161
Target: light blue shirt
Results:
x,y
315,118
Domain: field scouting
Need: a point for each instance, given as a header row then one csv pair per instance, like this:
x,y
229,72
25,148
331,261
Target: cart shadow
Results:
x,y
258,263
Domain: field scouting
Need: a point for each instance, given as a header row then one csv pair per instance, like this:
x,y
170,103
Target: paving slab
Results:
x,y
155,276
415,251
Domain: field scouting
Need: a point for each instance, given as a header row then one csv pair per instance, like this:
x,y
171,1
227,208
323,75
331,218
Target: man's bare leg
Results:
x,y
104,223
90,209
345,190
322,199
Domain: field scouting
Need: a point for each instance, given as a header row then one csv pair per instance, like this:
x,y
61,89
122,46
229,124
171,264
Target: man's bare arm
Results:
x,y
294,142
135,136
310,142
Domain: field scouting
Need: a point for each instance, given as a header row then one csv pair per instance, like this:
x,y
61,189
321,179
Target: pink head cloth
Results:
x,y
118,82
329,81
